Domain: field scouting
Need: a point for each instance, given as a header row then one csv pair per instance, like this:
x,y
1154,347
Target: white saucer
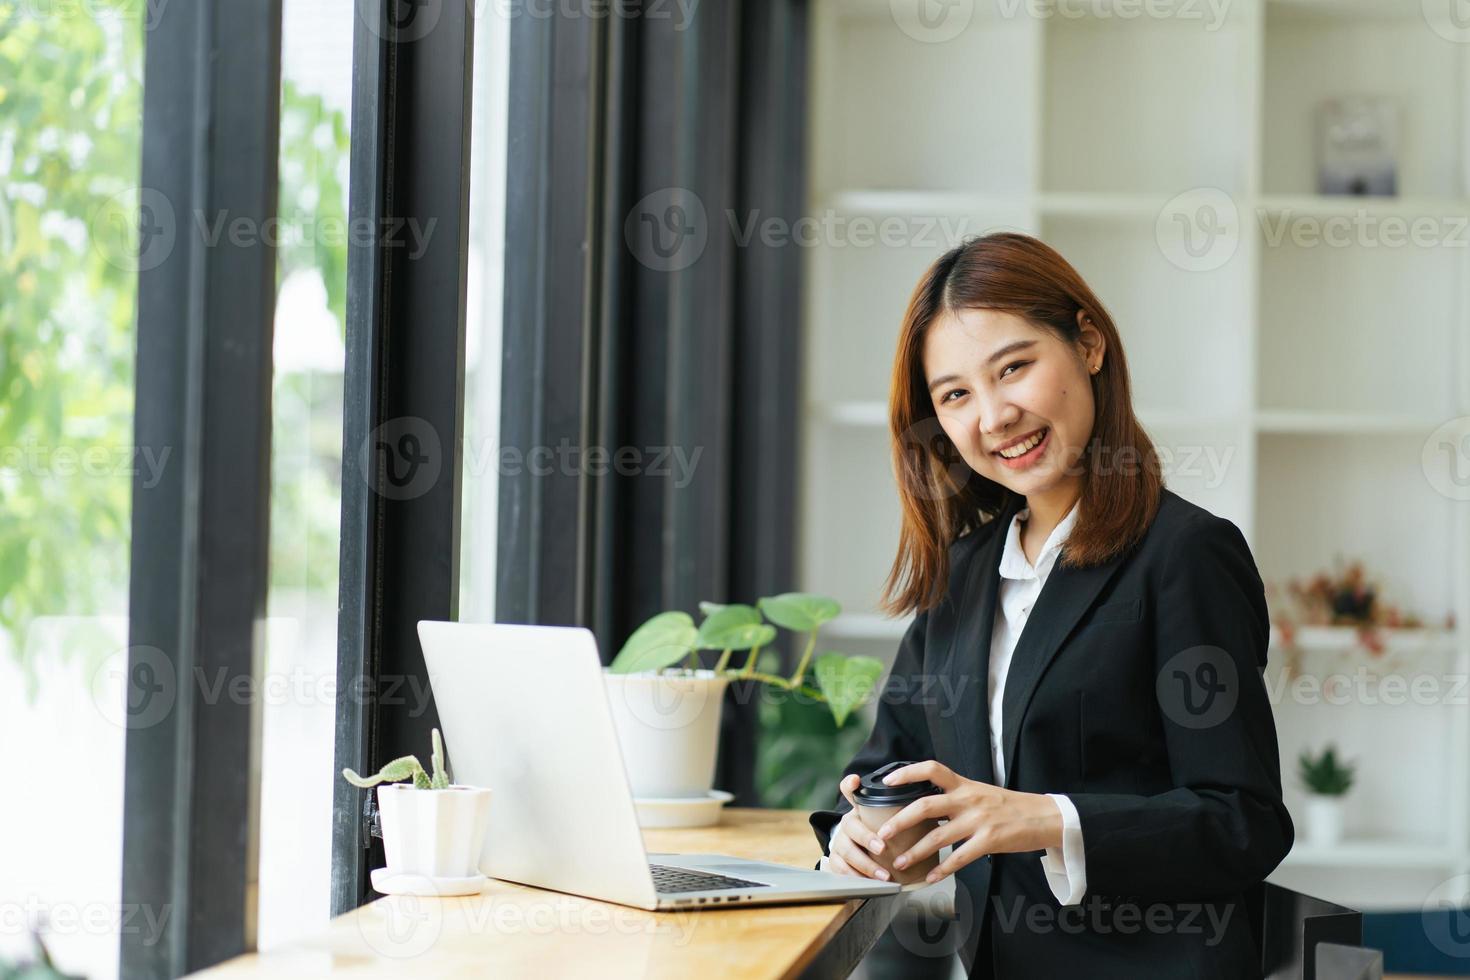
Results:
x,y
391,884
682,811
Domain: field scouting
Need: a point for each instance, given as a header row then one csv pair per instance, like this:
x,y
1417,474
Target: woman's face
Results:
x,y
996,381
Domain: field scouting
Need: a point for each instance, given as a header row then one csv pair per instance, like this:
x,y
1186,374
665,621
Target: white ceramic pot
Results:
x,y
1324,820
669,730
433,832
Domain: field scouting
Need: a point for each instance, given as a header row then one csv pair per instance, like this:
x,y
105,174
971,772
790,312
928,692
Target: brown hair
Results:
x,y
942,497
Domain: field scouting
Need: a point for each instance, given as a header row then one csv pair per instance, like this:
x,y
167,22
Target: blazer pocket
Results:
x,y
1119,611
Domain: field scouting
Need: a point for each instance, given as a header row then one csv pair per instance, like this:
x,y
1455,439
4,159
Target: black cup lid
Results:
x,y
872,791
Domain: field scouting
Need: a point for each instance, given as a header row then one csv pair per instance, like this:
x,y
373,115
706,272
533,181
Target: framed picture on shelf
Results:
x,y
1358,146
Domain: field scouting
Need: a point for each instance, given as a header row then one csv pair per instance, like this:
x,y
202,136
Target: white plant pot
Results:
x,y
669,730
434,832
1324,820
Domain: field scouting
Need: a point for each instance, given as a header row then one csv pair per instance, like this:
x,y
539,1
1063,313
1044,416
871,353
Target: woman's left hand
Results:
x,y
982,819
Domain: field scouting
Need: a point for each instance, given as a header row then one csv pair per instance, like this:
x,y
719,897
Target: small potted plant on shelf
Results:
x,y
432,828
1327,780
667,707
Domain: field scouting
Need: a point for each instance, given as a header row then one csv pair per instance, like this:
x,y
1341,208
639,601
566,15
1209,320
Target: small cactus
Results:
x,y
407,767
440,778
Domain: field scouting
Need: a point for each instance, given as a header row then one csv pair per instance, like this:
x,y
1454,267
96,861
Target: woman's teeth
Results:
x,y
1023,448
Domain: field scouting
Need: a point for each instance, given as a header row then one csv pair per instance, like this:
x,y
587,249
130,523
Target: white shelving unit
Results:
x,y
1293,381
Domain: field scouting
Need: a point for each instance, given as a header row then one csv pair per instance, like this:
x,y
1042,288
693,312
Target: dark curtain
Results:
x,y
641,321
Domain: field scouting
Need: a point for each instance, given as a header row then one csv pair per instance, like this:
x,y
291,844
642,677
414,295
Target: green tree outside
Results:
x,y
70,128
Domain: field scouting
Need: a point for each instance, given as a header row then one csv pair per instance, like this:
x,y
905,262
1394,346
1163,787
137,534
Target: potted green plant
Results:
x,y
431,827
1327,780
667,707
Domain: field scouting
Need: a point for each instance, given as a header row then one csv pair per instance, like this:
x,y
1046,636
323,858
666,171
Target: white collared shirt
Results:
x,y
1020,585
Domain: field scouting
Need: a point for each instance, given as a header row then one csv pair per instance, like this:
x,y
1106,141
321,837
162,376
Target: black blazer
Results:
x,y
1136,690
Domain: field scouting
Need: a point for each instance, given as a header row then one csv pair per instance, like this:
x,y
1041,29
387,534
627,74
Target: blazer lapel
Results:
x,y
1067,594
970,653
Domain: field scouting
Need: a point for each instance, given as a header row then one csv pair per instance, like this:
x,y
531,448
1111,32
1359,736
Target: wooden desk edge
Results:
x,y
781,836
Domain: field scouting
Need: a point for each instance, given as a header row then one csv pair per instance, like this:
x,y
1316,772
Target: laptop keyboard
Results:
x,y
672,880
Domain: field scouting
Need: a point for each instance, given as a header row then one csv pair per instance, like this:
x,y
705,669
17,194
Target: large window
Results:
x,y
299,685
484,306
70,109
139,760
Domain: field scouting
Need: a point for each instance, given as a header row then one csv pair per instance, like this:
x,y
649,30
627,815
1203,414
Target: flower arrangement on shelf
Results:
x,y
1345,596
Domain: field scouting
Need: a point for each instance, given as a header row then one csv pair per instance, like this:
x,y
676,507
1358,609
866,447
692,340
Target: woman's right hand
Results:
x,y
845,854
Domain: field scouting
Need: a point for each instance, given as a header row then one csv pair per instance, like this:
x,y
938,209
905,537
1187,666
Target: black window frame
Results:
x,y
200,531
403,397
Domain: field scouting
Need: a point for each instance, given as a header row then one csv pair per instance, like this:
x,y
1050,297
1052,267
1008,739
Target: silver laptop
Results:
x,y
525,712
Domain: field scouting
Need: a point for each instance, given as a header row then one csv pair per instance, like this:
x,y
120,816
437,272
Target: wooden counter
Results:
x,y
514,931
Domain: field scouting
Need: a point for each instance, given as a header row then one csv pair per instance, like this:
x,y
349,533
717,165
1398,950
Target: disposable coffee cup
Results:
x,y
875,802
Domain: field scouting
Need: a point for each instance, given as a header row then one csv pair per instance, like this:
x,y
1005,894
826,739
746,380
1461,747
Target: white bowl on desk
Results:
x,y
684,811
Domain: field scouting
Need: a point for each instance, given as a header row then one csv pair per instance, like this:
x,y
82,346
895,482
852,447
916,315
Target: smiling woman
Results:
x,y
1003,340
1113,626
